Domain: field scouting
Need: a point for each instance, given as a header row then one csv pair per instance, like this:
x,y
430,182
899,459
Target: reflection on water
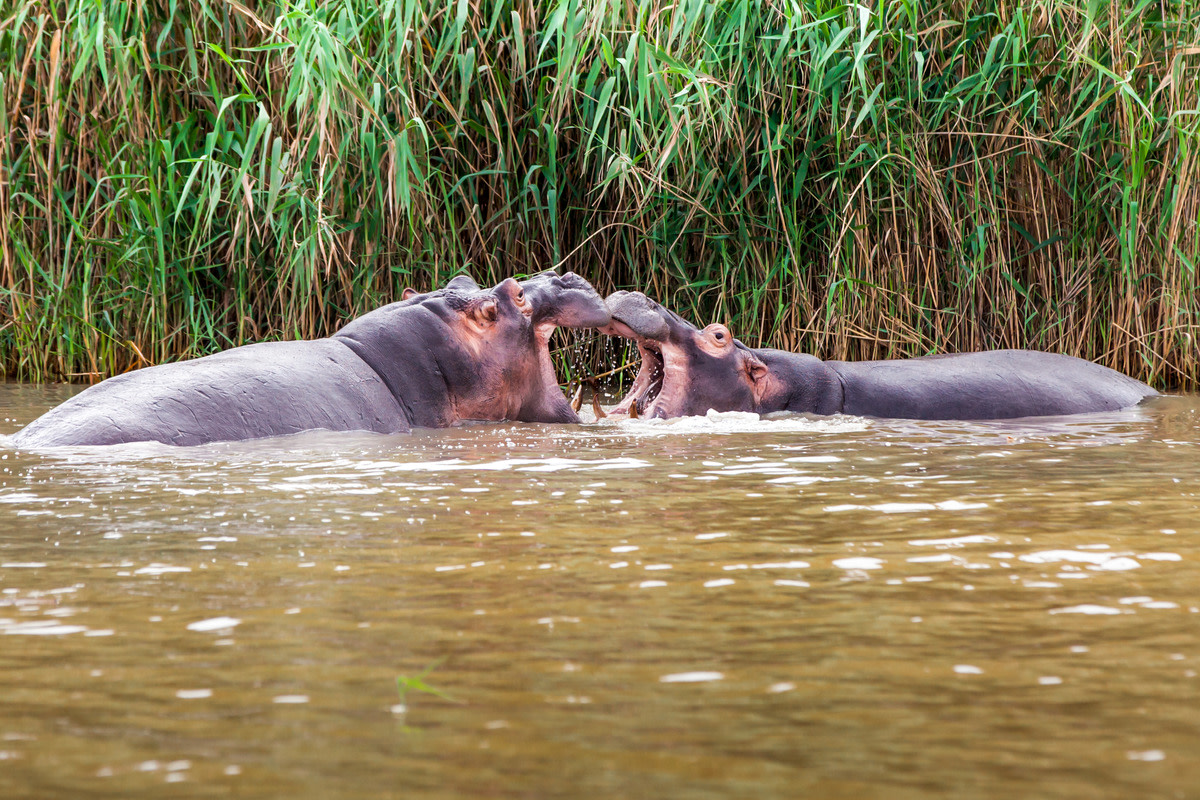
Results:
x,y
713,607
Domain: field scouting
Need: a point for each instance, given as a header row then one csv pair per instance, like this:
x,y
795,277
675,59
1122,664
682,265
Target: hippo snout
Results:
x,y
567,300
639,314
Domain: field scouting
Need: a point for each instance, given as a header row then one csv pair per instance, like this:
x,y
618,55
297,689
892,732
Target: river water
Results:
x,y
713,607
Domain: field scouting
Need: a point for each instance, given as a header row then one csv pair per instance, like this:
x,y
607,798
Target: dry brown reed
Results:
x,y
179,177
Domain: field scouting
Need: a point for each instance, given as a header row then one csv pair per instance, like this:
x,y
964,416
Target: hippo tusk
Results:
x,y
633,411
596,409
577,400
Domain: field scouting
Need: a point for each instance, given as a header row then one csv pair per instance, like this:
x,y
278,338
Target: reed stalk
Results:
x,y
855,181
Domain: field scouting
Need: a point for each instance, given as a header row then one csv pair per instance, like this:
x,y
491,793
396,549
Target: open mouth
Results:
x,y
642,398
648,384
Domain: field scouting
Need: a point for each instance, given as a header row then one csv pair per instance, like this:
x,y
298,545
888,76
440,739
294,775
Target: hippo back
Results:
x,y
997,384
267,389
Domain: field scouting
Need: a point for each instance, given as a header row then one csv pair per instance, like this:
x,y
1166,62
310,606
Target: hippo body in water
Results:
x,y
431,360
687,371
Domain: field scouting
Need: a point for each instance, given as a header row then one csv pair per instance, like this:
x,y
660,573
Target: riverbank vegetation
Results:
x,y
856,181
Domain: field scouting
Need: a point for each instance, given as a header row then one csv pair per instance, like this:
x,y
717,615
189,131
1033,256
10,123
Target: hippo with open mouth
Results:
x,y
430,360
687,371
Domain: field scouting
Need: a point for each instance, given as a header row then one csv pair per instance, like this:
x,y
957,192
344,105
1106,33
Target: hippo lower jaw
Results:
x,y
654,389
647,386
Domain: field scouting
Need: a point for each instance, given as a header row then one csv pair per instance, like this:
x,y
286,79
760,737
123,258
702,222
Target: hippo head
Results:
x,y
555,300
465,352
685,370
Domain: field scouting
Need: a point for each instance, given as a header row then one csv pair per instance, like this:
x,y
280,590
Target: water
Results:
x,y
725,607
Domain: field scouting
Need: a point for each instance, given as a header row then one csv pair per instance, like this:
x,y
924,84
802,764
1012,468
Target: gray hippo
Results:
x,y
430,361
687,371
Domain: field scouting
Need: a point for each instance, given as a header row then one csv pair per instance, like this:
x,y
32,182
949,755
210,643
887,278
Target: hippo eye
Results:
x,y
520,296
719,334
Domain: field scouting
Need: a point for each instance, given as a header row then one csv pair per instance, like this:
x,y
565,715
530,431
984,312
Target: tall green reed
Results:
x,y
180,176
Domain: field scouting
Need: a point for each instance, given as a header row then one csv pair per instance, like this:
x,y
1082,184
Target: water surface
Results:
x,y
712,607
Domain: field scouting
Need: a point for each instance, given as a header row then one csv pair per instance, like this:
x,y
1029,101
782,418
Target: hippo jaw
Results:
x,y
566,301
645,397
685,370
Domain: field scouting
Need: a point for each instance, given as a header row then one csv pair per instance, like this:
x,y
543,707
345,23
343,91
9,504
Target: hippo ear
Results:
x,y
408,293
757,371
463,283
485,311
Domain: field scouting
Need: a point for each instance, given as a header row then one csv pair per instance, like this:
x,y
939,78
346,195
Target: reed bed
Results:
x,y
856,181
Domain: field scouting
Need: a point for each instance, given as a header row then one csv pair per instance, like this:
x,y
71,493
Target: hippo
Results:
x,y
687,371
430,360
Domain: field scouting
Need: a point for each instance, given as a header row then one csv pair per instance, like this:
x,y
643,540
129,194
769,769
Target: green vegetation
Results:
x,y
405,684
180,176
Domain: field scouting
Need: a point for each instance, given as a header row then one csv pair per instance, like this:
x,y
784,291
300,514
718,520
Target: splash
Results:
x,y
732,422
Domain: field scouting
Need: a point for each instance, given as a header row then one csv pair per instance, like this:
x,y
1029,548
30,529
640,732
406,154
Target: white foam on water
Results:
x,y
1099,560
692,677
938,559
859,562
160,569
803,480
214,624
25,497
908,508
502,465
39,628
732,422
955,541
1161,556
1119,565
1086,609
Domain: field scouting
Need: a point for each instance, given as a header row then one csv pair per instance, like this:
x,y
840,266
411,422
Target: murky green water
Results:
x,y
708,608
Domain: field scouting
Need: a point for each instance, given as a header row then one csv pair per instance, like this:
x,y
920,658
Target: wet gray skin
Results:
x,y
688,371
431,360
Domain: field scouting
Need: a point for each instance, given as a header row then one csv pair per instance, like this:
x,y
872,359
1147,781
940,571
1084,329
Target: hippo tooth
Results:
x,y
596,409
577,400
